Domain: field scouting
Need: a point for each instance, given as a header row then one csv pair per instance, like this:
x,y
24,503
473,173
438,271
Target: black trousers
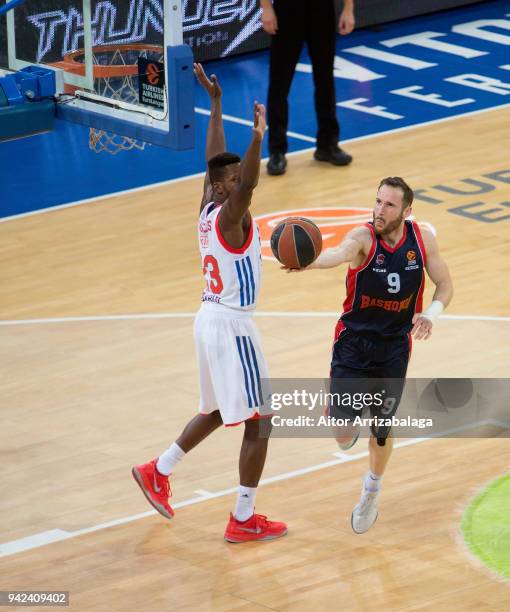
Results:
x,y
300,21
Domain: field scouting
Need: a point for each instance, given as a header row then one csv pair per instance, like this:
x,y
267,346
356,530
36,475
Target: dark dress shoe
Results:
x,y
333,155
277,164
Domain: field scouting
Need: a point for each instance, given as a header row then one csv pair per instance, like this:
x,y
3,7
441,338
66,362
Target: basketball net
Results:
x,y
115,69
101,140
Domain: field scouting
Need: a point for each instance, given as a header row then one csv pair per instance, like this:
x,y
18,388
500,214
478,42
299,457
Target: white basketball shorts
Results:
x,y
230,363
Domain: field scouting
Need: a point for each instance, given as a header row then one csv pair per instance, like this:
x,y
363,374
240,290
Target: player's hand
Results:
x,y
422,327
269,20
211,85
346,21
259,120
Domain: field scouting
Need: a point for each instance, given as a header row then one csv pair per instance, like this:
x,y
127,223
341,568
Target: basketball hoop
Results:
x,y
115,72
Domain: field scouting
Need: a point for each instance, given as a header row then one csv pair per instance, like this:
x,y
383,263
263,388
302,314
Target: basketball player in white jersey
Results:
x,y
231,363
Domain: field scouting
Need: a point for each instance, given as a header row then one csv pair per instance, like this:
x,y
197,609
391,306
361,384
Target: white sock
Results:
x,y
372,482
169,459
245,503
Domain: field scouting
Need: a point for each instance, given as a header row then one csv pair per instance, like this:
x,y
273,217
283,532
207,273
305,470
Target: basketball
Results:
x,y
296,242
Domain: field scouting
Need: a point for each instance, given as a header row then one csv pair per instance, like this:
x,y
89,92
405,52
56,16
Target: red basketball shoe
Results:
x,y
155,487
255,528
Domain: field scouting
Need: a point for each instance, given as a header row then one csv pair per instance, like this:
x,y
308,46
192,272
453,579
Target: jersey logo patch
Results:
x,y
368,301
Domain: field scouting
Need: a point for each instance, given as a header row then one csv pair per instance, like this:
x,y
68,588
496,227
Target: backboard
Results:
x,y
120,65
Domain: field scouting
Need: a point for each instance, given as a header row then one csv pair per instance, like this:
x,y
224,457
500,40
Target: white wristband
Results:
x,y
433,311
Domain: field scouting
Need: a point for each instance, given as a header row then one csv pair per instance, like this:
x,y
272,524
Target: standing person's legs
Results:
x,y
286,46
321,45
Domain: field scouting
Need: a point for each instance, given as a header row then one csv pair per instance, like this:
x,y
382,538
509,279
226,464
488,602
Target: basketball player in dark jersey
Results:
x,y
382,311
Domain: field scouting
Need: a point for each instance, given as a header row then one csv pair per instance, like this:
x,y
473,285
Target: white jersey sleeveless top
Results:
x,y
232,276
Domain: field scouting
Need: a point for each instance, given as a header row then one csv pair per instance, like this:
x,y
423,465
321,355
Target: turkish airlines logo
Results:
x,y
152,74
333,222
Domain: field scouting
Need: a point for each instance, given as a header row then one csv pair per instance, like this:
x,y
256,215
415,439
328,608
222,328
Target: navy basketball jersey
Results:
x,y
385,292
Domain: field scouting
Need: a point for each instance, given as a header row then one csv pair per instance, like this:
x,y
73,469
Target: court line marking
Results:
x,y
203,493
190,315
58,535
205,111
201,174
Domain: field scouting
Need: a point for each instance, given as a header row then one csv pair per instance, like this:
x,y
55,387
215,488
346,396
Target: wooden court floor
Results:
x,y
83,400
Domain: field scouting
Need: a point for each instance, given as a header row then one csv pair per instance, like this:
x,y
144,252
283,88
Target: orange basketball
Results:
x,y
296,242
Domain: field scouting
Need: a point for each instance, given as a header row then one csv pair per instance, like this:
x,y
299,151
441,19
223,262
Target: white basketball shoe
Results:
x,y
365,513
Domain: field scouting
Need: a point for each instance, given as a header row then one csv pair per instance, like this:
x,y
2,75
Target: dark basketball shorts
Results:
x,y
367,377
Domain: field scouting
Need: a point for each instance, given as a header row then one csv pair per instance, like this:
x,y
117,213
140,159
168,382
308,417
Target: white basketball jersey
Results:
x,y
232,276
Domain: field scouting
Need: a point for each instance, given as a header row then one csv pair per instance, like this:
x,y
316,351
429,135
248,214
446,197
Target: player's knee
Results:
x,y
256,429
211,417
250,430
381,434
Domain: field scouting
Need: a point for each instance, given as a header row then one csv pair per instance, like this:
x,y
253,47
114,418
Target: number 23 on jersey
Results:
x,y
212,275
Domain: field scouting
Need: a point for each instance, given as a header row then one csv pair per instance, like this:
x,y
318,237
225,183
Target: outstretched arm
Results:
x,y
239,199
355,246
439,274
354,243
215,142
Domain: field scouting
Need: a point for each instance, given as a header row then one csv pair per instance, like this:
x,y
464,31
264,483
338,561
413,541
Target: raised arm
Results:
x,y
439,274
239,199
215,142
